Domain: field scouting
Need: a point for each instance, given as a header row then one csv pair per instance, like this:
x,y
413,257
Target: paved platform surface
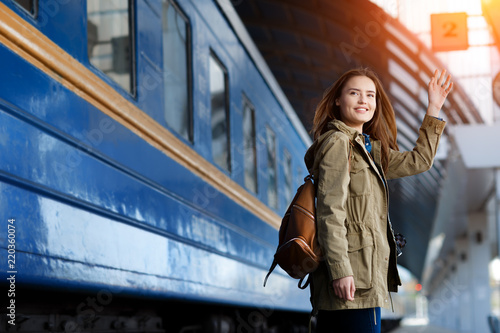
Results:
x,y
421,329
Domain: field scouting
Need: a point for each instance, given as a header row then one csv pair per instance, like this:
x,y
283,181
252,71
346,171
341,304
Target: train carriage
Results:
x,y
147,154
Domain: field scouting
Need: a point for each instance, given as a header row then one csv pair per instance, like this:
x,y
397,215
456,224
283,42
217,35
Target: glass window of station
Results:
x,y
249,146
110,42
219,113
272,186
176,70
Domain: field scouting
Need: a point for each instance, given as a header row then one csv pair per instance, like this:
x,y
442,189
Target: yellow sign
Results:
x,y
449,32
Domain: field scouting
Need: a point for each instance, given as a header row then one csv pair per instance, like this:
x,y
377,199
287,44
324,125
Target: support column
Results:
x,y
444,300
480,256
463,281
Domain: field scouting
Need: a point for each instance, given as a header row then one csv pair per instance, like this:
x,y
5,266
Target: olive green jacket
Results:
x,y
354,231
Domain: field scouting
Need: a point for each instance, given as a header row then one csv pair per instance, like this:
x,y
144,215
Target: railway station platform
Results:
x,y
421,329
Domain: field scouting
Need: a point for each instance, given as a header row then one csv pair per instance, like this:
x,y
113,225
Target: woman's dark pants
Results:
x,y
349,321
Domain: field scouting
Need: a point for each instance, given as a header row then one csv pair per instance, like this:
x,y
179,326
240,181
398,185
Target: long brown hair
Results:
x,y
381,127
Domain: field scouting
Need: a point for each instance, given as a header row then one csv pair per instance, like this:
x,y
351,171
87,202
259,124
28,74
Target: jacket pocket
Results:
x,y
360,183
361,252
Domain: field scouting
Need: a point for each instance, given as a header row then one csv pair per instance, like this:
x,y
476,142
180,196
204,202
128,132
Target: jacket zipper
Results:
x,y
292,240
311,216
386,190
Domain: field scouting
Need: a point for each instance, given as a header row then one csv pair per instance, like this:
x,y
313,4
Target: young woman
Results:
x,y
353,155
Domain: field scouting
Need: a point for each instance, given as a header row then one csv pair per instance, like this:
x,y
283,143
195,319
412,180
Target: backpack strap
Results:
x,y
271,269
305,284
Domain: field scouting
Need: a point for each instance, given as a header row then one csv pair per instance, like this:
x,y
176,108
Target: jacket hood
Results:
x,y
332,127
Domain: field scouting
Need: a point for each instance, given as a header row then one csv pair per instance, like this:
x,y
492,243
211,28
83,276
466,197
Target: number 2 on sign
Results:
x,y
449,28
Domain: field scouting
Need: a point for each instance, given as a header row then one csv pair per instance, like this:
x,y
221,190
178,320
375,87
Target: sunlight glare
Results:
x,y
495,269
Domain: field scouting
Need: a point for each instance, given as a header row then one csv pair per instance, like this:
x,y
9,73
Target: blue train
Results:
x,y
147,155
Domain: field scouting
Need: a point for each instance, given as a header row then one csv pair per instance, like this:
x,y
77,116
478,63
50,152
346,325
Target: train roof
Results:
x,y
248,43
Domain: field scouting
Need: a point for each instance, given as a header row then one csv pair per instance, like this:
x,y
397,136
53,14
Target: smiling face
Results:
x,y
357,102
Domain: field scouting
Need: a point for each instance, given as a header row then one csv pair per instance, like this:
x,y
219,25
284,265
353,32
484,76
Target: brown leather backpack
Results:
x,y
298,251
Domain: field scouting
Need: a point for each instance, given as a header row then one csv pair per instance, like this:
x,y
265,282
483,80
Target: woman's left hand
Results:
x,y
439,88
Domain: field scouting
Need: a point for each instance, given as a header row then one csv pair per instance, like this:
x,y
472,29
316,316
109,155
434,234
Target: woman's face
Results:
x,y
357,102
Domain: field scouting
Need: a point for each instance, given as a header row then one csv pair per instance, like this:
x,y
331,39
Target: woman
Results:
x,y
353,154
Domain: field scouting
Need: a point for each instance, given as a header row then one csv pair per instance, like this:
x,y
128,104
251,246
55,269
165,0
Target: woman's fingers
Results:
x,y
446,83
449,88
441,80
344,288
441,77
438,89
353,289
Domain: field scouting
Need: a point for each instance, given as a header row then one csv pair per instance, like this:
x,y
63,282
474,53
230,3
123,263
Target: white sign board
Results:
x,y
479,145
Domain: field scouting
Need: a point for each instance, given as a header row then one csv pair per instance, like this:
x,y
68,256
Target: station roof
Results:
x,y
309,44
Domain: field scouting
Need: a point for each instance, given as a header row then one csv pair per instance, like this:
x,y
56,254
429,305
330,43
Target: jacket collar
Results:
x,y
357,137
342,127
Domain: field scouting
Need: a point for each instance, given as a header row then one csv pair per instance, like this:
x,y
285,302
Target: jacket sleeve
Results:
x,y
332,192
421,158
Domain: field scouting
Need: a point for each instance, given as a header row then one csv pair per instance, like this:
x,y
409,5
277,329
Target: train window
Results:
x,y
272,192
220,113
176,70
29,5
249,146
110,41
287,170
298,175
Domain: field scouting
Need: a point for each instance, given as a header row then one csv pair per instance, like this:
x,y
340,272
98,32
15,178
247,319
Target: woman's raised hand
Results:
x,y
439,88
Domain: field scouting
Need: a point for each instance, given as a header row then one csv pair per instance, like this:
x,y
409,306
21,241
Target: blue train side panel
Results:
x,y
97,207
